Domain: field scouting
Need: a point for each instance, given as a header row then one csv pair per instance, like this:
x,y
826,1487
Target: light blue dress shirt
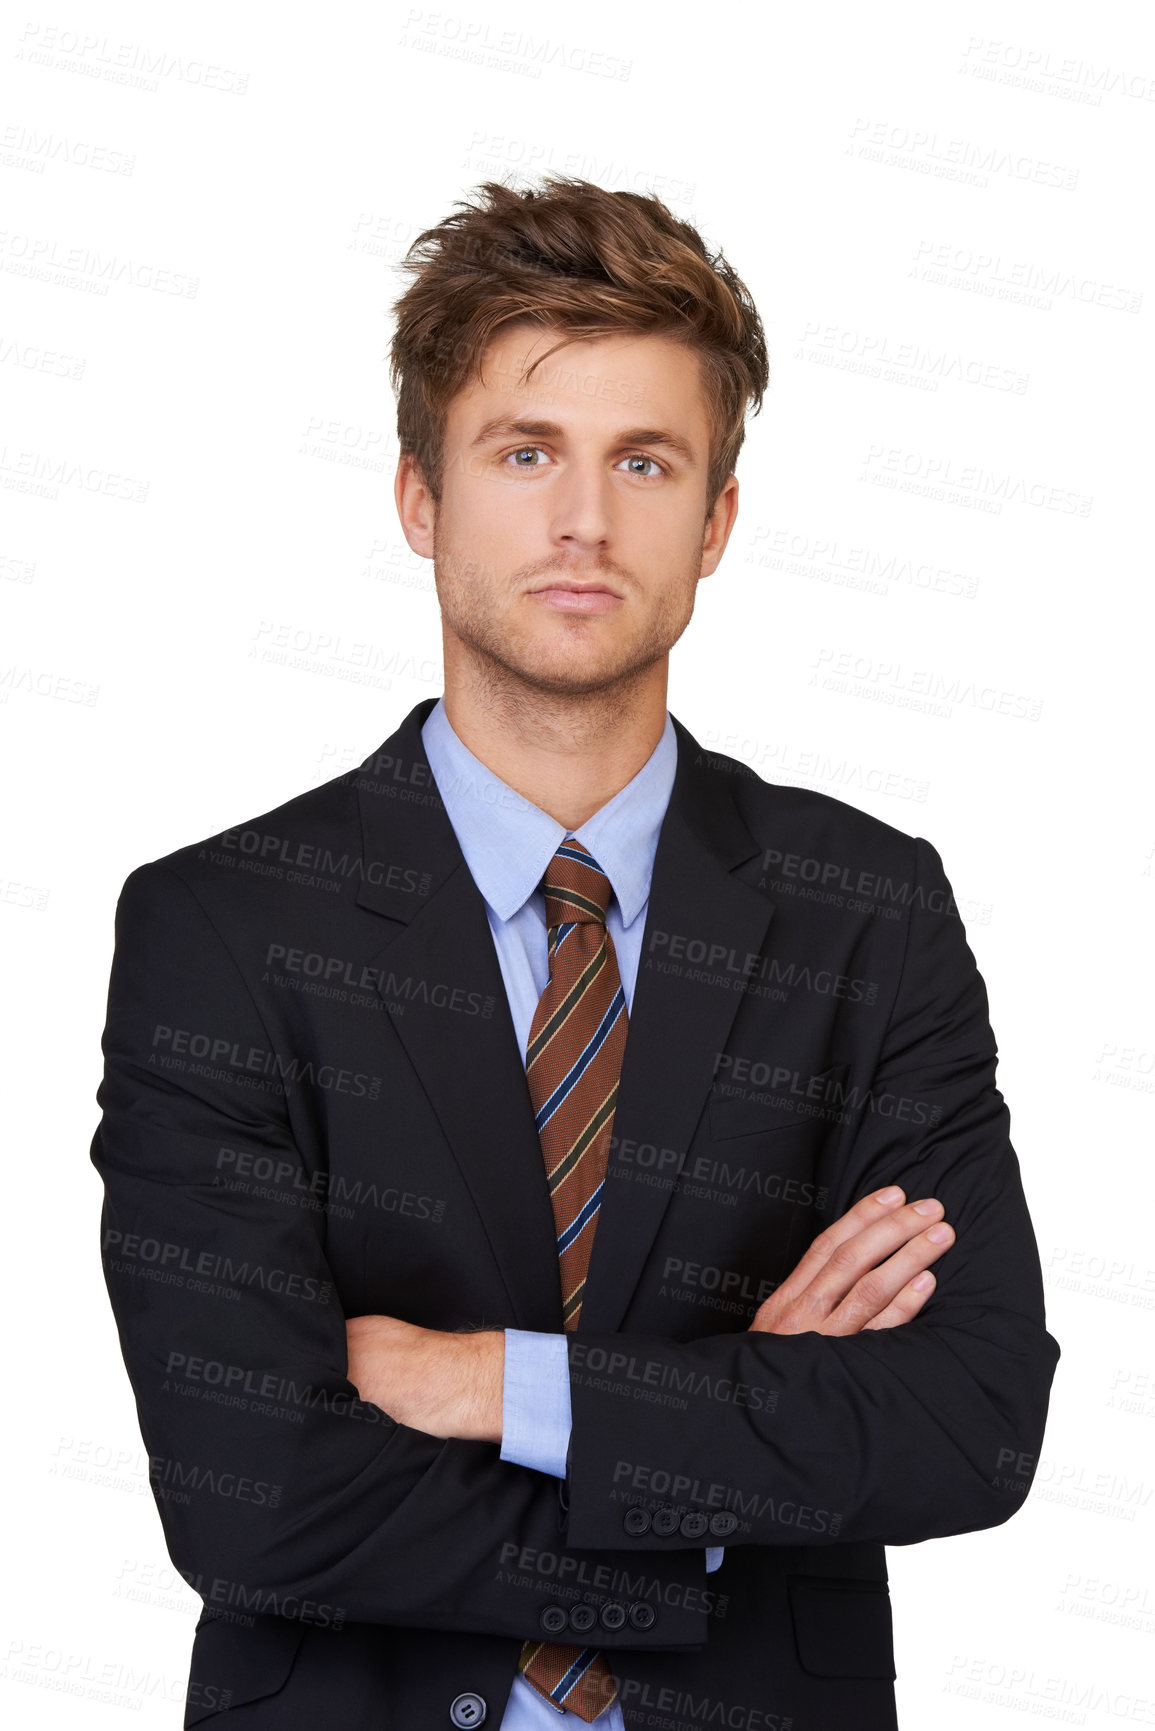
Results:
x,y
507,843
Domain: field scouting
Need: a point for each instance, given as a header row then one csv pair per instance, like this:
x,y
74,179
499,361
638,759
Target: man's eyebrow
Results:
x,y
501,425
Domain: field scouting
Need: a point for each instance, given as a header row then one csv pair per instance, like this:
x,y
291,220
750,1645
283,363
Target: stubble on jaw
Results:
x,y
536,702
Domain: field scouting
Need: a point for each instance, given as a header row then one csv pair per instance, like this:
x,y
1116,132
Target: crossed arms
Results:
x,y
869,1269
392,1503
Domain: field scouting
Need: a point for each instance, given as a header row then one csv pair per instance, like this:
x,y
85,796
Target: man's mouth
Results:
x,y
570,596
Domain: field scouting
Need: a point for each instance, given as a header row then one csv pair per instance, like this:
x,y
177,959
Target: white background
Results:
x,y
943,215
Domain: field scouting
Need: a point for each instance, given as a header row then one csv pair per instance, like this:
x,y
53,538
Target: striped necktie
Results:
x,y
573,1061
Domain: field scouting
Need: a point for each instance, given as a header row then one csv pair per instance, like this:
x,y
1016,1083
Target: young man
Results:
x,y
521,1187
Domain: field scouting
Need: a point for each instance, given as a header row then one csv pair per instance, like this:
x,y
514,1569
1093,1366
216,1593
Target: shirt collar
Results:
x,y
508,842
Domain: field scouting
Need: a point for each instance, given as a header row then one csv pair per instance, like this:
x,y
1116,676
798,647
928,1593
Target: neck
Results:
x,y
567,754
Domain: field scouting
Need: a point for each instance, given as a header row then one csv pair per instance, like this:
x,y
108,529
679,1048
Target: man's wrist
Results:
x,y
483,1375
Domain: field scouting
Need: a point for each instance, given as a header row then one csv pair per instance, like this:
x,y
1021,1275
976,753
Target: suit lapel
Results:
x,y
677,1024
464,1048
441,985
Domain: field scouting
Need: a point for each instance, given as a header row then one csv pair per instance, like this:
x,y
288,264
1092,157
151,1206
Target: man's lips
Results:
x,y
570,597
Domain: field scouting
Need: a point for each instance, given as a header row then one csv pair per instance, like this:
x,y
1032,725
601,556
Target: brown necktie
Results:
x,y
573,1061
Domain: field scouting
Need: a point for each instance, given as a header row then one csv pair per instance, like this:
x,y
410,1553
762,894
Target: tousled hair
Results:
x,y
571,256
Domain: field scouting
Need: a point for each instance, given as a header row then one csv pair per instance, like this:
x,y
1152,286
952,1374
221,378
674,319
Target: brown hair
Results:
x,y
573,256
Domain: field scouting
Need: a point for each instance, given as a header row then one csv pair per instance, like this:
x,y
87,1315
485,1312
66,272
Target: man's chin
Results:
x,y
579,675
572,682
556,672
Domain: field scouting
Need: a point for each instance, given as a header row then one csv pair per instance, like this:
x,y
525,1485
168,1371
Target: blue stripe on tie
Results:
x,y
574,1675
575,1227
568,851
565,927
597,1040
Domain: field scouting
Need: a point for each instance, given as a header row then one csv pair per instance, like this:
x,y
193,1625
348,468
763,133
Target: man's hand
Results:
x,y
448,1385
867,1270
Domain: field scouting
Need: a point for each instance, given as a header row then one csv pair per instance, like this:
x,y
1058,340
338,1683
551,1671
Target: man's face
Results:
x,y
571,532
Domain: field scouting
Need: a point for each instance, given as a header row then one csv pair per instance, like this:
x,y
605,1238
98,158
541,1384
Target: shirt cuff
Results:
x,y
714,1555
536,1417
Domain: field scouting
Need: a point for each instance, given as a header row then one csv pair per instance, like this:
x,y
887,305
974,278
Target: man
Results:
x,y
525,1156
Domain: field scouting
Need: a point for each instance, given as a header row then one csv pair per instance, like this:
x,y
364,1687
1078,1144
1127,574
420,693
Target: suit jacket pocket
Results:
x,y
233,1663
772,1097
842,1628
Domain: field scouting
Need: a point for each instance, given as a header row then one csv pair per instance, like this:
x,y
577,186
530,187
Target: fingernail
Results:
x,y
928,1205
893,1194
922,1281
939,1234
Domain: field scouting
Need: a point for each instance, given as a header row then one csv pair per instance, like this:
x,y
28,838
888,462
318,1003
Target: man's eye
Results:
x,y
640,457
524,450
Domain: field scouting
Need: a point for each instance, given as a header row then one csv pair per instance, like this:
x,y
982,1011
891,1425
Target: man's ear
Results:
x,y
416,506
718,525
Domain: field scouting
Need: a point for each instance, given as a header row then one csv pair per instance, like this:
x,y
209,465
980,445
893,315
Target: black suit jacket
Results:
x,y
314,1106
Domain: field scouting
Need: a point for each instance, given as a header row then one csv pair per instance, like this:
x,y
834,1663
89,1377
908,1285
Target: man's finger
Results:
x,y
906,1305
871,1296
875,1207
899,1245
859,1279
835,1271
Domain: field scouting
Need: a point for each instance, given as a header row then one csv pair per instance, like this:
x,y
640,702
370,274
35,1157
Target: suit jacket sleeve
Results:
x,y
890,1436
271,1477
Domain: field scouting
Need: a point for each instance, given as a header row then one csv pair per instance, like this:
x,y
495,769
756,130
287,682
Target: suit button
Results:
x,y
467,1711
582,1619
665,1522
613,1616
723,1523
553,1619
694,1524
643,1616
637,1522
